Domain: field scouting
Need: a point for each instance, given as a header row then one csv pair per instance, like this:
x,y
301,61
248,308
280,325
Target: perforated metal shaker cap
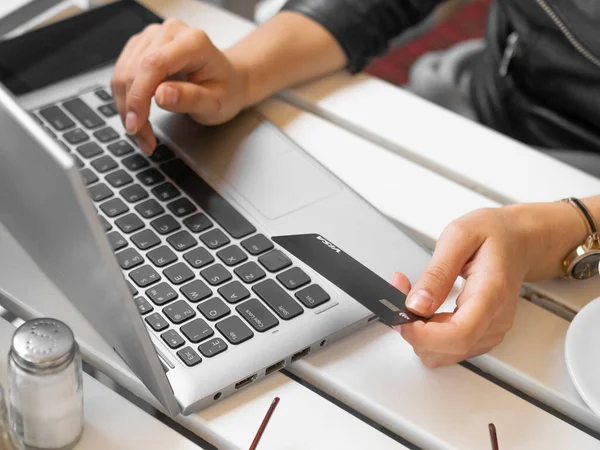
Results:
x,y
43,344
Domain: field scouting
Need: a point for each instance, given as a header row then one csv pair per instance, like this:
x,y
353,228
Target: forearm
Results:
x,y
287,50
555,229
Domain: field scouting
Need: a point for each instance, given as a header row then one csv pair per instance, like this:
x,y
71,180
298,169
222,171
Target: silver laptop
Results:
x,y
171,257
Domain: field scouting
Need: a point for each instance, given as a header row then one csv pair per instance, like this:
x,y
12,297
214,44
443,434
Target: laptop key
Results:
x,y
144,276
196,291
150,208
161,294
119,178
215,239
216,274
213,347
114,207
182,240
143,305
157,322
150,177
134,193
129,258
197,330
105,224
189,356
213,309
75,136
181,207
104,164
108,110
129,223
278,299
83,113
232,255
89,150
313,296
145,239
250,272
208,199
293,278
178,273
116,241
257,315
161,256
161,154
131,288
99,192
274,261
57,118
165,224
120,148
166,191
234,292
172,339
135,162
179,312
197,223
103,95
257,244
88,177
198,258
234,330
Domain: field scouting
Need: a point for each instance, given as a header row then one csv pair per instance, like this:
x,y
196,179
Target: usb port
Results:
x,y
301,354
245,382
274,367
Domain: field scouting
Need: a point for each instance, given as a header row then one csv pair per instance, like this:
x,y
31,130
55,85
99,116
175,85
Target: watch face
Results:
x,y
587,267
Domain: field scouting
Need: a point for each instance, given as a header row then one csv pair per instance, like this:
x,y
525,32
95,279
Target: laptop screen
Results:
x,y
70,47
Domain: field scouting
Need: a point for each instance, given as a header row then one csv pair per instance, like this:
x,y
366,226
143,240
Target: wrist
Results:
x,y
551,231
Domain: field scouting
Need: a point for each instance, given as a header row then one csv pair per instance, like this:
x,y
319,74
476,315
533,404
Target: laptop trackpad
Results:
x,y
257,159
278,183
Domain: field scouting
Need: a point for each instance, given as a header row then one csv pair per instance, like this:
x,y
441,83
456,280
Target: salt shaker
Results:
x,y
45,396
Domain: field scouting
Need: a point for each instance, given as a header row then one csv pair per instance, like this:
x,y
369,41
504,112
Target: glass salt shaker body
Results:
x,y
45,396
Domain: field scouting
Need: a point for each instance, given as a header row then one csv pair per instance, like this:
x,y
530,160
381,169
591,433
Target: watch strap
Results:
x,y
584,213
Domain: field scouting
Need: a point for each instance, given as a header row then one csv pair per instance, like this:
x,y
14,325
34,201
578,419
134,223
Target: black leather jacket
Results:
x,y
549,96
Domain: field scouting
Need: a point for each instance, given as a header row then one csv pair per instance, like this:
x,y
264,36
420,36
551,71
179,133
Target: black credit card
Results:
x,y
360,283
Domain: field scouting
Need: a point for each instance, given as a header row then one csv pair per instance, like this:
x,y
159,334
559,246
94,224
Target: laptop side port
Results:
x,y
301,354
245,382
275,367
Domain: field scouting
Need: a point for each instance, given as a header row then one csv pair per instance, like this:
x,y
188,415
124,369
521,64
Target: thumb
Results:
x,y
185,97
454,248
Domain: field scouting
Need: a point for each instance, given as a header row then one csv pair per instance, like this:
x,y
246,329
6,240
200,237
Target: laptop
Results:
x,y
172,257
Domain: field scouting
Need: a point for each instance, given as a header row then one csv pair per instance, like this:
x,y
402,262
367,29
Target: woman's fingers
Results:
x,y
456,246
187,52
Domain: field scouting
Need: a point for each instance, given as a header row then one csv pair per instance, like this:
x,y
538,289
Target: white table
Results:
x,y
446,408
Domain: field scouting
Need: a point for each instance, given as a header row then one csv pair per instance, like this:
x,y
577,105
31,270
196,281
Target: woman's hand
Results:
x,y
183,70
495,250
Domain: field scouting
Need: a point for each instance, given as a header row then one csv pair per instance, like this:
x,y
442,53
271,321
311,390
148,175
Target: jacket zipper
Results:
x,y
572,39
509,52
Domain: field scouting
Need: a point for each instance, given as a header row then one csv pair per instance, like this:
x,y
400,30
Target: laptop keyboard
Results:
x,y
200,273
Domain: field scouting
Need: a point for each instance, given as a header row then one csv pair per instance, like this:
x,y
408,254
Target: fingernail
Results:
x,y
143,145
420,302
396,278
167,96
131,122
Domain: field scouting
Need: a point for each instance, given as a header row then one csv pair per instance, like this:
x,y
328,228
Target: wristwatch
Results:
x,y
582,263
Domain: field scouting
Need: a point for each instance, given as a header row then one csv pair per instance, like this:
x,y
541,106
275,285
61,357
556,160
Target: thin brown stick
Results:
x,y
493,436
264,423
